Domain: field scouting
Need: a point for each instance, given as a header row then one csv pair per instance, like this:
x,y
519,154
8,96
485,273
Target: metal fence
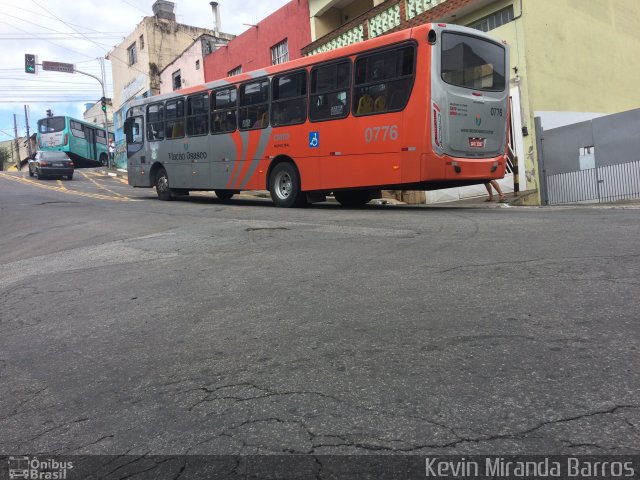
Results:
x,y
591,162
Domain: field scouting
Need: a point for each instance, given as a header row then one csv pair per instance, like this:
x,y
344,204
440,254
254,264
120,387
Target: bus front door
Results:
x,y
138,163
90,137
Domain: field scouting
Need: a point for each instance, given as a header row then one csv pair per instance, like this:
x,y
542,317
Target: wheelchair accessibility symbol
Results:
x,y
314,139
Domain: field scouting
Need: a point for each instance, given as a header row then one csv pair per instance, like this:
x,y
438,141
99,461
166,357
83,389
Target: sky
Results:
x,y
80,32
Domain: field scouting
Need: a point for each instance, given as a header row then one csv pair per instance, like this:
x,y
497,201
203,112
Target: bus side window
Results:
x,y
386,78
289,98
174,116
198,115
155,122
223,110
254,104
329,92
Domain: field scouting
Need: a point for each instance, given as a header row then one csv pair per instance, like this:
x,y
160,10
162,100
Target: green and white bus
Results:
x,y
86,144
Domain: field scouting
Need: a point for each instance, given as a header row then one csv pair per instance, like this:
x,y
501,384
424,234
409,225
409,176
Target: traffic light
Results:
x,y
29,63
103,101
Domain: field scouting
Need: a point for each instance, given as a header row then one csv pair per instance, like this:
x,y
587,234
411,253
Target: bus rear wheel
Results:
x,y
354,198
284,186
162,185
103,159
224,195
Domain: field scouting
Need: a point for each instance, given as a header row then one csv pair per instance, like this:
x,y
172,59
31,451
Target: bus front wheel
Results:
x,y
162,185
284,186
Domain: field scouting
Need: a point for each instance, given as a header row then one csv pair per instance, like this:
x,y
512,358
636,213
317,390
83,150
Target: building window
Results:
x,y
494,20
132,54
141,42
177,80
235,71
280,53
197,64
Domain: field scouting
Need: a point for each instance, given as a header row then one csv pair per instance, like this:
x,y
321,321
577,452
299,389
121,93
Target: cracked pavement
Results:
x,y
198,328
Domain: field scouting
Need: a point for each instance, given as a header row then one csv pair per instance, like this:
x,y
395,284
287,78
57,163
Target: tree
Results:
x,y
5,157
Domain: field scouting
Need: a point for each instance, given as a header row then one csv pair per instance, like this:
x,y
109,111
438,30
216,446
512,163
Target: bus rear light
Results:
x,y
66,138
442,25
43,163
477,94
437,125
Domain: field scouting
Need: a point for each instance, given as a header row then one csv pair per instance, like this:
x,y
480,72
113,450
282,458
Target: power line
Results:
x,y
47,16
53,43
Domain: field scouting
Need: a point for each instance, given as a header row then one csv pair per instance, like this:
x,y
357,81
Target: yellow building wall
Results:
x,y
583,54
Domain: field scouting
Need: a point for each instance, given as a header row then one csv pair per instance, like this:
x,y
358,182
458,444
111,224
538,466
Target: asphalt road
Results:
x,y
131,325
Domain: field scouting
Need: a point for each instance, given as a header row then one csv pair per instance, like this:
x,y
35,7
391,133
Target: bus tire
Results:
x,y
284,186
354,198
224,195
103,159
162,185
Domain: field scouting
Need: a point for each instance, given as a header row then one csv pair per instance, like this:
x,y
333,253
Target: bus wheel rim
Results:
x,y
284,185
163,184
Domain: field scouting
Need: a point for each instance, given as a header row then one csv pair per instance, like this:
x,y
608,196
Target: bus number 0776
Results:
x,y
381,134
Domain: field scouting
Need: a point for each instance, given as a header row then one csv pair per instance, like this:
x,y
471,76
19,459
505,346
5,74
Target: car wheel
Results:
x,y
70,177
284,186
224,195
39,175
162,185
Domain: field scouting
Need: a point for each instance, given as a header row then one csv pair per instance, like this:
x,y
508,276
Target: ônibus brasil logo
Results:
x,y
478,120
37,468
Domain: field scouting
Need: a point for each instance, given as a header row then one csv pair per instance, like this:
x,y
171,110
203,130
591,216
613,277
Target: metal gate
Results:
x,y
597,161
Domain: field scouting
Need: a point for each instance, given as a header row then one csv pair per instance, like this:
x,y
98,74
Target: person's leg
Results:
x,y
489,191
496,185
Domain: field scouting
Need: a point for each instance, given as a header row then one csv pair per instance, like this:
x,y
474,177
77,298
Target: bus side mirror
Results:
x,y
127,128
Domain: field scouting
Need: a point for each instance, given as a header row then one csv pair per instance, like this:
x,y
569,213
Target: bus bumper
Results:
x,y
484,168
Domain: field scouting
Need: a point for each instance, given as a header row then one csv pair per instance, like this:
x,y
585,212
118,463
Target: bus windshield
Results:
x,y
472,62
51,125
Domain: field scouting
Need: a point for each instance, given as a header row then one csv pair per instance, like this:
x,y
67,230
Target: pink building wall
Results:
x,y
252,49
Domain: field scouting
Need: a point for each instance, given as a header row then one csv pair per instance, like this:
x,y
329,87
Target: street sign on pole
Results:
x,y
58,67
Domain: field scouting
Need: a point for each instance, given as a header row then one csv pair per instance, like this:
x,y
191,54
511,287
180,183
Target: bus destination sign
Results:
x,y
58,67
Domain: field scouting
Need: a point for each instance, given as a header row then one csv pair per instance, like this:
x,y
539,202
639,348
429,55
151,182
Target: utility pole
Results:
x,y
15,130
26,117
